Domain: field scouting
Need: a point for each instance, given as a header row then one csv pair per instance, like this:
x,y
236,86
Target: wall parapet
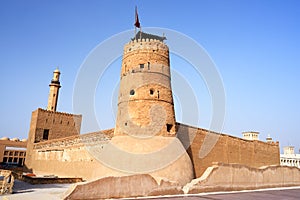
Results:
x,y
226,135
59,113
75,140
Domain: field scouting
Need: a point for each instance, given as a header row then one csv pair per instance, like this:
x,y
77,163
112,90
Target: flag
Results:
x,y
137,22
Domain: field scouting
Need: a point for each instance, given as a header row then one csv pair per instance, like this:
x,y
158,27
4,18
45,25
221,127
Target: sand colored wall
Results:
x,y
227,149
151,84
122,187
59,124
92,156
69,157
233,177
219,177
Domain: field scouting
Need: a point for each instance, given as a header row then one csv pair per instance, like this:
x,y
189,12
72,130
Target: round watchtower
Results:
x,y
145,103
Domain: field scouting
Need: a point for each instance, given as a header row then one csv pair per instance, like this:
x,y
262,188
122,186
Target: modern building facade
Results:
x,y
12,151
289,157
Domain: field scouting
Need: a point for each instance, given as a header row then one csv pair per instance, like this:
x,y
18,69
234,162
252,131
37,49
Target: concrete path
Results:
x,y
273,194
26,191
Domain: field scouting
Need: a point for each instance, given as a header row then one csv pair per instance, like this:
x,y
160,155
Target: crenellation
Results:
x,y
58,113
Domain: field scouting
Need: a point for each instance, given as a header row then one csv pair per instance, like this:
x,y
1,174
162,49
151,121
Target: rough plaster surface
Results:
x,y
228,149
145,84
120,187
233,177
219,177
161,157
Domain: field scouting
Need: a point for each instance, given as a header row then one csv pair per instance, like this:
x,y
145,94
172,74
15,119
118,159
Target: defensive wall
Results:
x,y
69,157
57,124
227,149
219,177
234,177
47,125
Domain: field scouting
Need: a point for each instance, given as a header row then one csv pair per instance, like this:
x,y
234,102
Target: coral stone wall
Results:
x,y
227,149
145,104
57,124
69,157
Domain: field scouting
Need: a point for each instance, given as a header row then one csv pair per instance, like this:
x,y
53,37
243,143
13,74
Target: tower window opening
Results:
x,y
132,92
169,127
151,91
158,94
53,95
148,65
46,134
125,123
141,66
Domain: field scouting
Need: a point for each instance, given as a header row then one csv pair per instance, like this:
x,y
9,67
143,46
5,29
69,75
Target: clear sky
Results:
x,y
255,45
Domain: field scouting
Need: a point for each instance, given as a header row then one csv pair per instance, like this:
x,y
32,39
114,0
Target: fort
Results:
x,y
145,126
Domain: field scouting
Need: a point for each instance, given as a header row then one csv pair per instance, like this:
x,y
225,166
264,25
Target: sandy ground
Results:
x,y
26,191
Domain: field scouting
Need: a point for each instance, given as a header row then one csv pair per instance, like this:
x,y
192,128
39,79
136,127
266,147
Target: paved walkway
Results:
x,y
273,194
26,191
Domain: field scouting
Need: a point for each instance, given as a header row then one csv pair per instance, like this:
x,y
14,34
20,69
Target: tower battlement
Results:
x,y
147,43
150,52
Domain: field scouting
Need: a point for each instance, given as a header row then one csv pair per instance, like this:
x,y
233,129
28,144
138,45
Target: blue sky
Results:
x,y
255,45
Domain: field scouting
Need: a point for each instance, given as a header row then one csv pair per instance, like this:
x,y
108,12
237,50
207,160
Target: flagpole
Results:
x,y
141,33
137,24
135,12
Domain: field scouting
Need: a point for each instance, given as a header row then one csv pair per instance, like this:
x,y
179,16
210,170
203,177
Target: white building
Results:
x,y
289,158
250,135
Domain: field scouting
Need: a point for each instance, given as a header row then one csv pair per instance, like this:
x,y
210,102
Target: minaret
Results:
x,y
145,102
54,89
